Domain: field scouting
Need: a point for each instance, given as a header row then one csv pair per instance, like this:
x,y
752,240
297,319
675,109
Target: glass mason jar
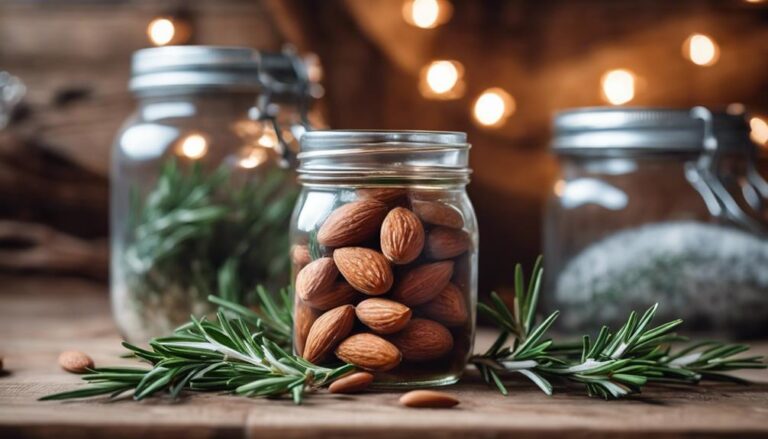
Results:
x,y
656,206
384,251
199,202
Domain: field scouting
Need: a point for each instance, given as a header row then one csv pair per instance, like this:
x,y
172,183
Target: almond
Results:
x,y
352,223
437,213
352,383
446,243
327,331
423,340
303,317
390,196
423,283
383,316
370,352
75,361
340,293
402,236
368,271
300,255
428,399
316,278
448,308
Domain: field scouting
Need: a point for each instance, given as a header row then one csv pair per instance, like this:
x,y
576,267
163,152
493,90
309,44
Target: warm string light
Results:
x,y
442,80
163,31
701,50
758,130
253,157
427,14
193,146
493,107
618,86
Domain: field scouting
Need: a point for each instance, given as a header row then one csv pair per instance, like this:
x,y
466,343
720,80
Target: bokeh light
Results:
x,y
618,86
194,146
427,14
493,107
701,50
759,130
161,31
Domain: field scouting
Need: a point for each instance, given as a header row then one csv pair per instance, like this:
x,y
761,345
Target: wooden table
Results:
x,y
40,317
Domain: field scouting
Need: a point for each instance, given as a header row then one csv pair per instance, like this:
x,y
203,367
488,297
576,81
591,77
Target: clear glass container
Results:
x,y
200,202
654,206
384,249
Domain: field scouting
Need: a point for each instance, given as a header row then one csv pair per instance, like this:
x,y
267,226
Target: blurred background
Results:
x,y
497,69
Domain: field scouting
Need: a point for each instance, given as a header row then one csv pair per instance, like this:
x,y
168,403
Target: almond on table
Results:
x,y
75,361
352,383
428,399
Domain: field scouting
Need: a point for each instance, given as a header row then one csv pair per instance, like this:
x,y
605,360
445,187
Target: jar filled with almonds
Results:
x,y
384,252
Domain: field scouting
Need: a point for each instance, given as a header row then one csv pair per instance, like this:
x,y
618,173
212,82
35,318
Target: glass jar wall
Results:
x,y
200,204
641,214
384,251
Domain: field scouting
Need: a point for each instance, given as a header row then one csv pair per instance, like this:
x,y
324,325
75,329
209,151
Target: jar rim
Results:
x,y
384,155
633,130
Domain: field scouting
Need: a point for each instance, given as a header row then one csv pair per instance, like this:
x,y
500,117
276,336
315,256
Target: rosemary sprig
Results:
x,y
229,354
195,225
614,365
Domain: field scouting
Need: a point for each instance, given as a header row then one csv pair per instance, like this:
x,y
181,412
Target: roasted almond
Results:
x,y
352,223
351,383
304,316
423,340
316,278
423,283
340,293
300,255
402,236
428,399
383,316
448,308
75,361
369,352
445,243
327,331
367,270
390,196
438,213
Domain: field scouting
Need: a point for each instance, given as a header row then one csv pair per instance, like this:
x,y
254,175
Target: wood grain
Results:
x,y
40,317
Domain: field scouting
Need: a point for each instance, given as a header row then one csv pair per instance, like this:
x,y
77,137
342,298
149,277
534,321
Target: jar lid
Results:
x,y
159,68
600,130
383,155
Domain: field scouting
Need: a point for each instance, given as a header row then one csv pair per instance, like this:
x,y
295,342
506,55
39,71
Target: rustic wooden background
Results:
x,y
74,57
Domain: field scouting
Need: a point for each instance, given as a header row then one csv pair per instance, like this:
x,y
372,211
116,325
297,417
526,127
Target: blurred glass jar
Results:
x,y
657,206
384,250
200,202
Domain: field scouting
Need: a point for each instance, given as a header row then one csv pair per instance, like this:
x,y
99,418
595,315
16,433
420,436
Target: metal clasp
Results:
x,y
703,175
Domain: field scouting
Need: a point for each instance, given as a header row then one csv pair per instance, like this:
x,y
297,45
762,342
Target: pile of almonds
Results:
x,y
383,291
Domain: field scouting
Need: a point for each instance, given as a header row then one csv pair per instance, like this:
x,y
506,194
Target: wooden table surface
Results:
x,y
40,317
